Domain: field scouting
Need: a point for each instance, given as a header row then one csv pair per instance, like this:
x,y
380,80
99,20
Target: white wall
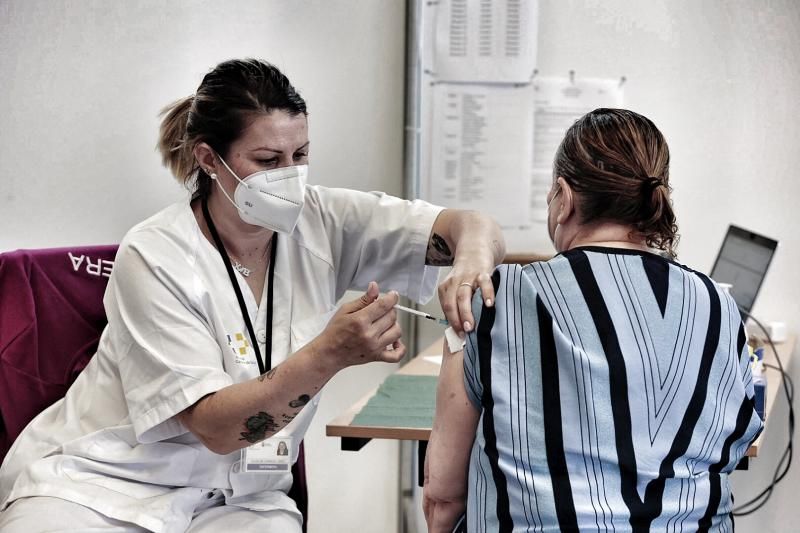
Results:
x,y
82,84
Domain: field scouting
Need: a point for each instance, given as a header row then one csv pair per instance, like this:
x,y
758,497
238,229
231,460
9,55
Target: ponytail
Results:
x,y
657,221
176,149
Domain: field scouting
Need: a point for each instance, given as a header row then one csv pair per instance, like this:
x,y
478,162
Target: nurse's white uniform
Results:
x,y
175,334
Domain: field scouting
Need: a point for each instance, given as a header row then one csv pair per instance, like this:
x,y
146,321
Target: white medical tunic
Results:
x,y
176,333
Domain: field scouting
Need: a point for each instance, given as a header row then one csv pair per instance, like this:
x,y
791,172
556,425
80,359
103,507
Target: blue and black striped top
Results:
x,y
615,395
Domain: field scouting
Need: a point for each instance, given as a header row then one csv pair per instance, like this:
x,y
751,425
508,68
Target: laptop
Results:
x,y
742,261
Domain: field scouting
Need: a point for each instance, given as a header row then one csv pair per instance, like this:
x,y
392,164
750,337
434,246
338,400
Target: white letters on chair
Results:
x,y
100,267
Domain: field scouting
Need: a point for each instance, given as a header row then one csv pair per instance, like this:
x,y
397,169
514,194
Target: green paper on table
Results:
x,y
401,401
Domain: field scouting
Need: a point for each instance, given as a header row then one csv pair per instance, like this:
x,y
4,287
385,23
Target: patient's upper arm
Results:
x,y
453,432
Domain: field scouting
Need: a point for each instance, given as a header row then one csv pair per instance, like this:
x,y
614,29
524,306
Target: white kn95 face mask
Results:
x,y
272,199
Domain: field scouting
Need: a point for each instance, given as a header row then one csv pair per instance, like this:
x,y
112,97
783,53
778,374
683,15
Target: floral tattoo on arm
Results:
x,y
257,427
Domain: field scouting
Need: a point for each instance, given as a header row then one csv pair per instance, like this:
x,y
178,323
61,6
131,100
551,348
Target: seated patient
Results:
x,y
608,388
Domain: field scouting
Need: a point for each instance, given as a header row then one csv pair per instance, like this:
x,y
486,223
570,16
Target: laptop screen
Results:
x,y
742,261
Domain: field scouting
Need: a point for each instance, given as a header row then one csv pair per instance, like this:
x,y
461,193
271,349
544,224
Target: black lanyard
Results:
x,y
266,364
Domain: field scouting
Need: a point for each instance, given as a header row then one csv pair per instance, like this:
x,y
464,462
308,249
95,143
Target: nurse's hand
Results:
x,y
473,243
362,331
456,291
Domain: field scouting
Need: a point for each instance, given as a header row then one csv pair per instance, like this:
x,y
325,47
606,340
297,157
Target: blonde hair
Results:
x,y
177,151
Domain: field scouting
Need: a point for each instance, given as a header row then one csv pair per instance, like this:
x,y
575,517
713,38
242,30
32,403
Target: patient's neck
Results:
x,y
607,234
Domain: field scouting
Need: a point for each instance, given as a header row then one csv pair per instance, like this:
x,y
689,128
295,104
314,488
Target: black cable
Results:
x,y
785,462
789,379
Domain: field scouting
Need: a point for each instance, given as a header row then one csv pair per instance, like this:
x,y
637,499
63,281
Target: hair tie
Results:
x,y
651,183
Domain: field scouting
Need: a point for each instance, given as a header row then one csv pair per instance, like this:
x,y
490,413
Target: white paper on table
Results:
x,y
486,40
481,150
559,102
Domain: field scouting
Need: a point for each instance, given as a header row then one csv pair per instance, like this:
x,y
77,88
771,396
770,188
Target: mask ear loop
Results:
x,y
213,176
232,172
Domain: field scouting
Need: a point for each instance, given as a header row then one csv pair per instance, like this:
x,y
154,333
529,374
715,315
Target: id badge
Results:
x,y
271,456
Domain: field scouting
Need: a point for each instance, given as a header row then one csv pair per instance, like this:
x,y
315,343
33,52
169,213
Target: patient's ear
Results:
x,y
568,205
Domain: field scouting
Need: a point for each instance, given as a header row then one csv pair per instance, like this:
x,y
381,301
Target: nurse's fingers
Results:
x,y
448,303
383,323
487,289
368,297
380,343
381,306
363,301
394,355
390,335
464,304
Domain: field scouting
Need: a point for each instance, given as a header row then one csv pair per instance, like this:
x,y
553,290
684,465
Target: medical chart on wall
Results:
x,y
481,148
485,40
489,128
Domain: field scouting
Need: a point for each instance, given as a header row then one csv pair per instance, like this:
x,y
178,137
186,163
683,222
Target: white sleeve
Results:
x,y
170,359
375,236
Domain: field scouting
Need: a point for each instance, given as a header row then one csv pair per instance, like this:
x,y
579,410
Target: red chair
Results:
x,y
51,318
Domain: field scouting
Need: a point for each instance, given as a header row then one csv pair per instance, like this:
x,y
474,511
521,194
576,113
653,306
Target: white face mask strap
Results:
x,y
232,172
213,176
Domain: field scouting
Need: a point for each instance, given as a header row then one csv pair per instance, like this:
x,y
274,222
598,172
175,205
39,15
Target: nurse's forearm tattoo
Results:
x,y
258,426
268,375
439,253
300,401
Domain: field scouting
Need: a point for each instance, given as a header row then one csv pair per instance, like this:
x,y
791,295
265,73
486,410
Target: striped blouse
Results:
x,y
615,395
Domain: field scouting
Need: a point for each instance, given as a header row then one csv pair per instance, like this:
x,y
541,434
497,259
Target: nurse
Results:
x,y
222,326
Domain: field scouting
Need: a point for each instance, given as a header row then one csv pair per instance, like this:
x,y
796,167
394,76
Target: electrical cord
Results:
x,y
789,380
785,462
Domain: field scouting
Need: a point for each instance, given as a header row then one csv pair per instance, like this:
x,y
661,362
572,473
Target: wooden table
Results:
x,y
774,384
355,437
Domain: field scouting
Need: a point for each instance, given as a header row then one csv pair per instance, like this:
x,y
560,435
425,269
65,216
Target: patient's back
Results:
x,y
616,394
